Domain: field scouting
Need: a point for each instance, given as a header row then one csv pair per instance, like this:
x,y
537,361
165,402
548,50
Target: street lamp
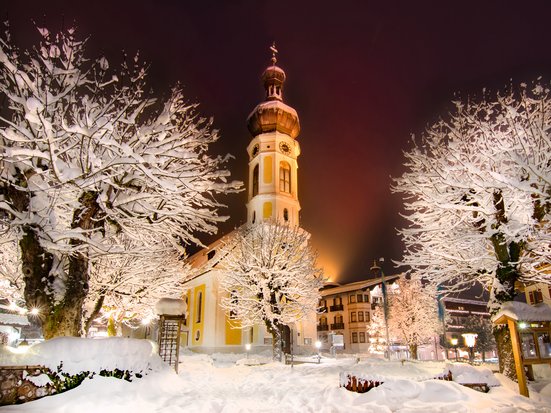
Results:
x,y
454,342
470,341
318,346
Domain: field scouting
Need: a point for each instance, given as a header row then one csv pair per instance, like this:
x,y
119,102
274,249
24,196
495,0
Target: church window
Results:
x,y
285,177
199,306
233,313
255,180
285,214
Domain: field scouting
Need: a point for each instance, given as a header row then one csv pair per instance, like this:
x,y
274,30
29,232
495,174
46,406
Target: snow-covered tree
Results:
x,y
478,198
481,326
126,286
270,277
86,154
376,331
413,313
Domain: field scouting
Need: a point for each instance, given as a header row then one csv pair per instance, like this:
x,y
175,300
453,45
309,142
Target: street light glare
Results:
x,y
34,311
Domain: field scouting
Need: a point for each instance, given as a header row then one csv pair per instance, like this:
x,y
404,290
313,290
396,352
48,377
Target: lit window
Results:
x,y
285,177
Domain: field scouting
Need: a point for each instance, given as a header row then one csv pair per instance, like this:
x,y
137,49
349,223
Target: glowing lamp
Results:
x,y
454,341
522,325
470,339
318,344
34,311
248,346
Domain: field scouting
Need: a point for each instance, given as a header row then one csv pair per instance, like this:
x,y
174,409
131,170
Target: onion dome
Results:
x,y
272,114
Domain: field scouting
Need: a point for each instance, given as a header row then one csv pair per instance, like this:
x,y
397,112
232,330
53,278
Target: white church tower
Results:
x,y
273,153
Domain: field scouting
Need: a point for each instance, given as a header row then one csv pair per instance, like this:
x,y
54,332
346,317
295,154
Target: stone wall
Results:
x,y
20,384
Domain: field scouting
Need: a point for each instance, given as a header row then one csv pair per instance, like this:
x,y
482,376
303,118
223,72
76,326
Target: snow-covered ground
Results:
x,y
229,383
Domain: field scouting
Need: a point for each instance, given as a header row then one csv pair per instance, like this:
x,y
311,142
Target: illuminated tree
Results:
x,y
87,154
269,275
413,313
376,330
477,194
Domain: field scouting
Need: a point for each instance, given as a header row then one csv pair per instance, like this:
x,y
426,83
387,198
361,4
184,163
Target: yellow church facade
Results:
x,y
272,195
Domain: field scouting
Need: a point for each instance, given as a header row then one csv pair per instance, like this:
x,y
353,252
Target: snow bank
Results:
x,y
215,384
93,355
170,306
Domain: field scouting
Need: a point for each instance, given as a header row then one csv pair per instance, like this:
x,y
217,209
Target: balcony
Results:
x,y
323,327
337,326
338,307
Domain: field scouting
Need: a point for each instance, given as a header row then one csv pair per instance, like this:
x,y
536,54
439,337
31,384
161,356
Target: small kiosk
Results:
x,y
530,328
171,312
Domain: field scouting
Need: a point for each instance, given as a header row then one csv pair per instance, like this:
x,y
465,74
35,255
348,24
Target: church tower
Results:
x,y
273,153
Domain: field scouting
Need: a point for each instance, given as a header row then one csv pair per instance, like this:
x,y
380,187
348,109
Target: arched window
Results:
x,y
199,306
285,214
285,177
255,180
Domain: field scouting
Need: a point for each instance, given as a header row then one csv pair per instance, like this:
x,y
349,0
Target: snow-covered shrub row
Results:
x,y
73,356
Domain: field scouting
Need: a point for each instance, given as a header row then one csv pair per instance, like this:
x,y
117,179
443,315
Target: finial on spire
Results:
x,y
274,53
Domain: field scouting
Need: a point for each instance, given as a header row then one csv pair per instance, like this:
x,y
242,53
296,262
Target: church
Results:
x,y
272,195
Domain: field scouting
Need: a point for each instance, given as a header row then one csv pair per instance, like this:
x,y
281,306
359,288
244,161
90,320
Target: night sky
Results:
x,y
363,76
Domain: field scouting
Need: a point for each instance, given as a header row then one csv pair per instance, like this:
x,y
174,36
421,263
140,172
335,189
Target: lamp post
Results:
x,y
318,347
385,301
470,341
454,342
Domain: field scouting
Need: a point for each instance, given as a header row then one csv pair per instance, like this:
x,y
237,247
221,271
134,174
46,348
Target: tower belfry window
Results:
x,y
255,181
285,177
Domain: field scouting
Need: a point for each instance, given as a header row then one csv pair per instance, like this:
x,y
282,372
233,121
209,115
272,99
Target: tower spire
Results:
x,y
274,53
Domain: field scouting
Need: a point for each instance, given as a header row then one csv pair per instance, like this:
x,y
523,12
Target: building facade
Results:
x,y
346,310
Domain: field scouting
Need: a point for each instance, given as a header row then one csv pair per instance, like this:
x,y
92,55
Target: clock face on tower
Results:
x,y
255,150
284,148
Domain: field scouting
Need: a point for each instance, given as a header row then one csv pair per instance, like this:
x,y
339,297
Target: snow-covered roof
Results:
x,y
519,311
13,319
170,306
358,285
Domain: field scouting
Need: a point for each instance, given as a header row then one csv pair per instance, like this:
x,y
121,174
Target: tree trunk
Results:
x,y
413,351
277,353
95,312
505,352
36,264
